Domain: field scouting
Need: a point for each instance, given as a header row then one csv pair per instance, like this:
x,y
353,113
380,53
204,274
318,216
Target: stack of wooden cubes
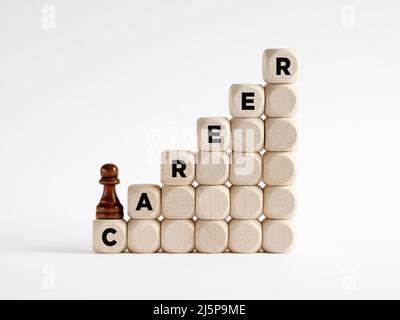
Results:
x,y
178,172
280,69
236,193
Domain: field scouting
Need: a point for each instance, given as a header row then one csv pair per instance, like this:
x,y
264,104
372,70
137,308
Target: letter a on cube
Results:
x,y
144,201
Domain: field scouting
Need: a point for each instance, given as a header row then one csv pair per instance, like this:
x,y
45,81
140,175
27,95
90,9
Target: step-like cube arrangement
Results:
x,y
236,194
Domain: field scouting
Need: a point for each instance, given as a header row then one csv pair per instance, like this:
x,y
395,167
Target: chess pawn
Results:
x,y
109,227
109,206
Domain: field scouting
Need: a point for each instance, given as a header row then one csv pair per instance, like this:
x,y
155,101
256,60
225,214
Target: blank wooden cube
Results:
x,y
144,201
279,202
278,236
280,134
212,202
211,236
281,100
178,202
246,100
178,167
109,236
245,236
177,236
279,168
212,168
246,169
280,66
214,134
144,236
246,202
247,134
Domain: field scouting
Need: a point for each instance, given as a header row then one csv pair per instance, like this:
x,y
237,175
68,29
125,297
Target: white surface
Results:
x,y
120,81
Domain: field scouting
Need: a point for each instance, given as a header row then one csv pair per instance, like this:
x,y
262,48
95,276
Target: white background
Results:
x,y
118,81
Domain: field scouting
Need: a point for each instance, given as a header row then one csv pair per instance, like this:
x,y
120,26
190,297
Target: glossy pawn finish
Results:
x,y
109,206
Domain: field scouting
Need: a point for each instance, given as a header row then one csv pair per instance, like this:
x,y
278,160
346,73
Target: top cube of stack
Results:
x,y
280,66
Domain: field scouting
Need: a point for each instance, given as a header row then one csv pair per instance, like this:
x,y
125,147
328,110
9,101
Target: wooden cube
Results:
x,y
280,134
280,66
177,236
279,168
214,134
212,202
279,202
212,168
246,202
144,236
178,202
246,100
245,236
281,100
247,134
178,167
211,236
109,236
144,201
278,236
246,169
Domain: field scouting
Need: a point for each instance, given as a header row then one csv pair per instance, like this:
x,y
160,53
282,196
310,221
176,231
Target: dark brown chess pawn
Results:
x,y
109,206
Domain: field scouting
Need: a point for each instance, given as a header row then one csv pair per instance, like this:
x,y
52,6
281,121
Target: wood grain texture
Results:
x,y
178,167
109,236
177,236
278,236
273,58
280,134
246,100
144,236
245,236
212,202
279,168
246,168
281,100
246,202
144,201
178,202
280,202
213,134
211,236
212,168
247,134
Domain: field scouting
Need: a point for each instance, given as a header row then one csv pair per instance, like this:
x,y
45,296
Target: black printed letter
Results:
x,y
282,64
144,202
104,237
246,101
214,131
181,169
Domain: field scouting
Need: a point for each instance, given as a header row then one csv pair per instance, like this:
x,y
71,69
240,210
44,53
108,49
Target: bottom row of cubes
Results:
x,y
185,236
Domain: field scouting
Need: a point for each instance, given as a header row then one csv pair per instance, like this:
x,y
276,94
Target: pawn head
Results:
x,y
109,174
